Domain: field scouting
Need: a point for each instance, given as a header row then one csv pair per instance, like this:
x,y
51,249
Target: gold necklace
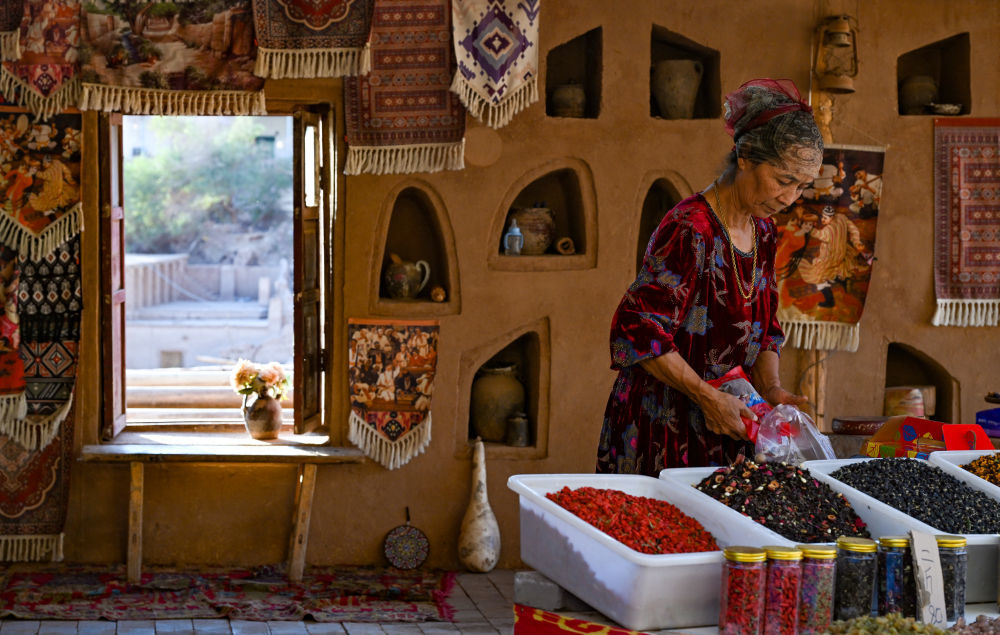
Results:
x,y
732,248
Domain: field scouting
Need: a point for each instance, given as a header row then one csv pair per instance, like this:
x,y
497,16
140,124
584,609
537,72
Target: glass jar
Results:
x,y
741,604
855,586
819,568
954,567
784,577
897,591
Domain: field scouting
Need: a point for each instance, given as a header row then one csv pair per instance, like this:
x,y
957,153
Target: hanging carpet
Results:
x,y
164,58
967,222
311,38
391,368
401,117
11,12
12,400
496,45
41,62
826,247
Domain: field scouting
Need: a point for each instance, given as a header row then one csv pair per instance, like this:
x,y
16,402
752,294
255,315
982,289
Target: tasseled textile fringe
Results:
x,y
309,63
967,313
36,431
431,157
42,107
149,101
31,548
391,454
822,336
15,236
495,115
10,46
12,407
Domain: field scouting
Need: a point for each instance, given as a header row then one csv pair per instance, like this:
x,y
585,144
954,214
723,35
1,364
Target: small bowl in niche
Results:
x,y
945,109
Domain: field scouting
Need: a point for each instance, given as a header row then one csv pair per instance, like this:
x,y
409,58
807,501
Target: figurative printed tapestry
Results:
x,y
401,117
826,247
496,45
40,190
967,222
532,621
391,376
12,402
11,12
170,58
312,38
42,77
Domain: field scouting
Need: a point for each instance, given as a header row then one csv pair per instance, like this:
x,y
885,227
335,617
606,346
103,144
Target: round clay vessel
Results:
x,y
496,394
538,226
916,92
569,100
263,418
404,280
675,87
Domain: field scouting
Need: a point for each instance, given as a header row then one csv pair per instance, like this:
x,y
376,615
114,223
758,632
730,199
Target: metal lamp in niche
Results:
x,y
835,61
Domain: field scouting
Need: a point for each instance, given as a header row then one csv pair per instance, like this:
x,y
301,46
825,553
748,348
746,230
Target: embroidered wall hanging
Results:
x,y
311,38
11,12
826,244
40,191
967,222
42,77
401,117
496,45
391,368
170,58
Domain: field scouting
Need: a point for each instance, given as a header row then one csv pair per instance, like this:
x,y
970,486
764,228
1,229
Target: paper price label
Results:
x,y
930,583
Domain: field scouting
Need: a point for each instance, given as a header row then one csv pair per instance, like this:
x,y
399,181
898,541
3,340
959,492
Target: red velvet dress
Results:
x,y
685,299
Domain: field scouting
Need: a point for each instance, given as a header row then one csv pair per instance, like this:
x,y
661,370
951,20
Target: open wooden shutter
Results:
x,y
311,165
112,275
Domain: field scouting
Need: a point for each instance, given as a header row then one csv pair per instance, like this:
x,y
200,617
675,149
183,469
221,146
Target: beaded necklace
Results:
x,y
732,248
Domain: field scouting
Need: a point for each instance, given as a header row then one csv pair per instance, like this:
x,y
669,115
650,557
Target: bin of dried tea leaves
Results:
x,y
897,591
819,571
856,562
954,568
741,602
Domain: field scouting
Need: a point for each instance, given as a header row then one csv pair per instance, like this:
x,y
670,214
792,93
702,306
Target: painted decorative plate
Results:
x,y
406,547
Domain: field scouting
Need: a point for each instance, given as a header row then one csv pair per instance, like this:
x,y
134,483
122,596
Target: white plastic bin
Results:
x,y
885,520
639,591
951,461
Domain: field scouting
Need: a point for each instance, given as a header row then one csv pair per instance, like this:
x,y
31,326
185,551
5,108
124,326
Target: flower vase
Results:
x,y
263,417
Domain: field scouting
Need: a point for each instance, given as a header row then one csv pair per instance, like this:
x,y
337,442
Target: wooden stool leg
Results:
x,y
300,530
135,523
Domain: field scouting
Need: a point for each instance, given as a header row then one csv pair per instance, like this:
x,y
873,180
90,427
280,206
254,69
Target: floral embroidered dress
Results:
x,y
685,298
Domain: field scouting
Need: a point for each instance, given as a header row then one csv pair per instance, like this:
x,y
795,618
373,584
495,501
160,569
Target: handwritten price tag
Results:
x,y
930,584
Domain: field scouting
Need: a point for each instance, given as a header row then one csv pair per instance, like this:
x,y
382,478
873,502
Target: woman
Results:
x,y
705,299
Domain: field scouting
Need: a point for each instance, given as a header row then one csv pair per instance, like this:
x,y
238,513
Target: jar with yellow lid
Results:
x,y
819,567
741,604
954,569
854,592
897,591
784,576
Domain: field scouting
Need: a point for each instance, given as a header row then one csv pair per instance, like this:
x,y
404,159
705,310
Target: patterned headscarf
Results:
x,y
784,97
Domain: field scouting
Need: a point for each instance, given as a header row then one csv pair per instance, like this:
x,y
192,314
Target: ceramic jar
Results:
x,y
404,280
263,418
569,100
497,394
674,84
916,93
538,226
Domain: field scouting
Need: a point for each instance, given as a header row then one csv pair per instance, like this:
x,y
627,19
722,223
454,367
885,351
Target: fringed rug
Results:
x,y
532,621
312,38
325,594
163,58
12,401
967,222
826,248
496,45
11,12
42,75
401,117
391,375
40,197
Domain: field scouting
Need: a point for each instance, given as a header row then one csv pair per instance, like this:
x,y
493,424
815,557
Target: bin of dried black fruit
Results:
x,y
786,499
926,493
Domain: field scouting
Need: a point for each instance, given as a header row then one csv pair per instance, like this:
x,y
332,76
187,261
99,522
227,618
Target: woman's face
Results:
x,y
766,189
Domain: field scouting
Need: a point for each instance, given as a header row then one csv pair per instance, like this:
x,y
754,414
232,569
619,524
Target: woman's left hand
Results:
x,y
776,395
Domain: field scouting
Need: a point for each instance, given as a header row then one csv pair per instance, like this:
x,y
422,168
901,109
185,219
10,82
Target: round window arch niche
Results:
x,y
658,191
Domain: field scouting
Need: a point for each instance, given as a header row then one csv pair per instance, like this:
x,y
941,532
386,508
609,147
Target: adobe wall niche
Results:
x,y
662,192
575,63
908,366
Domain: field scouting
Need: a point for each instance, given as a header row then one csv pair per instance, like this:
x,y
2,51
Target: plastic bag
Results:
x,y
736,383
787,434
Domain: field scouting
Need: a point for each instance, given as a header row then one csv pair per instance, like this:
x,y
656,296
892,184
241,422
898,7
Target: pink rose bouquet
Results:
x,y
267,380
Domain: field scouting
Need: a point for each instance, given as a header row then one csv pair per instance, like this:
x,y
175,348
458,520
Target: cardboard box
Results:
x,y
916,438
989,420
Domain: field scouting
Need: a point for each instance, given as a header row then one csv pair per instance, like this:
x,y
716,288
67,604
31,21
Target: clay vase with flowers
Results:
x,y
268,382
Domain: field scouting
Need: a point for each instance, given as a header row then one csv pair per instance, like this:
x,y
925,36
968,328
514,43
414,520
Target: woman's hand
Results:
x,y
723,414
776,395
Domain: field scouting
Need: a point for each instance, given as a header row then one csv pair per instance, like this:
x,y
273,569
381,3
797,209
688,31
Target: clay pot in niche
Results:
x,y
916,93
569,100
538,226
497,394
675,84
404,280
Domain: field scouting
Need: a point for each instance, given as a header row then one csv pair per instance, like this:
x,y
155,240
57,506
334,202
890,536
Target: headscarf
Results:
x,y
785,94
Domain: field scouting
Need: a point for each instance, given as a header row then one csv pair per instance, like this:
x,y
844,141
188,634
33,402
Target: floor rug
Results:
x,y
967,222
531,621
325,594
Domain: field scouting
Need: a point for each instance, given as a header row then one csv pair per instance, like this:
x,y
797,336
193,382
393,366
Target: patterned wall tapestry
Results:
x,y
311,38
165,58
496,45
967,222
10,25
826,248
391,376
401,117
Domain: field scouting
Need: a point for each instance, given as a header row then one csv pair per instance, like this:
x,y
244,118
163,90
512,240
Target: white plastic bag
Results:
x,y
788,435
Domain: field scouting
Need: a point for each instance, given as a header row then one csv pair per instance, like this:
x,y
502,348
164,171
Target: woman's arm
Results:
x,y
722,410
765,379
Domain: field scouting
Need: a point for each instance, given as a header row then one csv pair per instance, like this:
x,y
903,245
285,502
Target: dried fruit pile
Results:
x,y
986,467
786,499
645,524
926,493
